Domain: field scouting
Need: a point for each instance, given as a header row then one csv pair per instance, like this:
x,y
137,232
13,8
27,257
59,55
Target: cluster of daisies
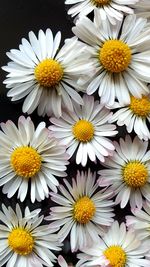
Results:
x,y
98,81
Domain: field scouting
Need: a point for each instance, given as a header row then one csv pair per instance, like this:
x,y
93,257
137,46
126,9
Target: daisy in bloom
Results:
x,y
82,212
118,248
140,222
24,242
111,10
29,154
44,73
128,172
62,262
120,56
136,116
86,130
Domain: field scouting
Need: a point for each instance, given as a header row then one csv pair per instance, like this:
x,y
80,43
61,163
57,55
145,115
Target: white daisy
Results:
x,y
120,56
24,242
128,173
118,248
111,10
140,222
86,130
44,74
82,212
136,116
29,154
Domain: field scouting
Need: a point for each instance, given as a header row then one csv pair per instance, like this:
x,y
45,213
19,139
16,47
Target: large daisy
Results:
x,y
82,212
120,56
24,242
86,130
118,248
44,74
136,116
29,154
127,172
111,10
140,222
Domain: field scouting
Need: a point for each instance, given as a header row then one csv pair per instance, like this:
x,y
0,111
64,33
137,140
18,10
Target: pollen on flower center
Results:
x,y
84,210
25,161
21,241
116,256
100,3
115,55
135,174
48,72
140,106
83,130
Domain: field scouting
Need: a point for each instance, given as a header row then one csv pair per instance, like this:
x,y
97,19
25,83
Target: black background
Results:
x,y
17,18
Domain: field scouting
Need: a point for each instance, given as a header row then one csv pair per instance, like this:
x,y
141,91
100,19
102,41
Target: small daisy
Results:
x,y
44,74
86,130
62,262
24,242
81,211
118,248
120,56
29,154
111,10
136,116
128,173
140,222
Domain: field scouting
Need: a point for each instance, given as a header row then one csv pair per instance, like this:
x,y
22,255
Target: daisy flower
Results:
x,y
111,10
24,242
140,222
136,116
82,212
120,56
29,154
45,74
86,130
128,172
118,248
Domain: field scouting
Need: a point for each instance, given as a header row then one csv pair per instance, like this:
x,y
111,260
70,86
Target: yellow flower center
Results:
x,y
115,55
84,210
116,256
25,161
21,241
83,130
48,72
135,174
140,106
100,3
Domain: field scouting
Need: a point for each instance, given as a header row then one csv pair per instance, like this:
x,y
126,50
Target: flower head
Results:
x,y
117,248
45,74
30,155
81,211
86,130
111,10
120,58
127,172
136,116
25,241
